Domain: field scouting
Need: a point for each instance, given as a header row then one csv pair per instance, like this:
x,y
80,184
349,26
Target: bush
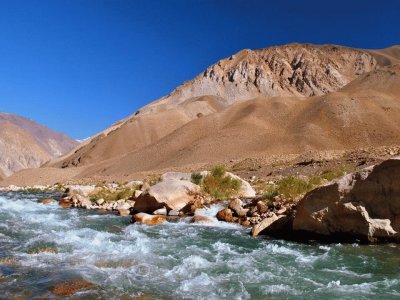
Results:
x,y
270,194
292,186
196,178
333,174
107,195
153,180
219,185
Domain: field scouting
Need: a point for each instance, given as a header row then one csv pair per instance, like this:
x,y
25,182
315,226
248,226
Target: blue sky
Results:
x,y
77,66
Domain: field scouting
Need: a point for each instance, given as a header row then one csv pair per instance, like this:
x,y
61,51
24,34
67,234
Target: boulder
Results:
x,y
202,220
176,176
134,184
46,200
147,219
81,201
225,215
124,212
160,211
262,207
100,201
137,193
363,206
237,206
83,190
173,194
271,225
173,213
192,206
123,205
65,203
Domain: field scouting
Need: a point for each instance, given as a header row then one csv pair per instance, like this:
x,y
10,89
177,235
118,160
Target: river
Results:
x,y
177,260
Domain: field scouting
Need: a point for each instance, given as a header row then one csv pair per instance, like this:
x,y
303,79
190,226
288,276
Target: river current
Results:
x,y
176,260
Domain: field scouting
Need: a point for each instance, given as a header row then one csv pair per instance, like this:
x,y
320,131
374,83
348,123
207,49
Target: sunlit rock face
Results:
x,y
363,205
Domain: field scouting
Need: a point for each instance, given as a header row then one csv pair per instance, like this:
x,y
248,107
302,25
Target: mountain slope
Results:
x,y
348,119
176,132
26,144
291,70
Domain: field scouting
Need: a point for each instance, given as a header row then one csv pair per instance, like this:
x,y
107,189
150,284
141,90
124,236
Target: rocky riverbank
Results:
x,y
358,207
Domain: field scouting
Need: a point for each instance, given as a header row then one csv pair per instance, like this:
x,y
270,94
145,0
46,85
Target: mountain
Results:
x,y
350,118
26,144
291,70
275,101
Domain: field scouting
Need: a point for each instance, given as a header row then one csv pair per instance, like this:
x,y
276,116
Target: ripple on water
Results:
x,y
178,260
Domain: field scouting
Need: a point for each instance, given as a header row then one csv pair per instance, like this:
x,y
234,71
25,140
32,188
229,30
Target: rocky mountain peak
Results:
x,y
290,70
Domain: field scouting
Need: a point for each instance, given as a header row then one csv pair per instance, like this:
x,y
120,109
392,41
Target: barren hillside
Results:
x,y
292,70
321,98
26,144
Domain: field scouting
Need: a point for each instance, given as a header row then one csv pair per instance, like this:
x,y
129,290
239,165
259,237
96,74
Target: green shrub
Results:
x,y
292,186
219,185
270,194
196,178
153,180
107,195
329,175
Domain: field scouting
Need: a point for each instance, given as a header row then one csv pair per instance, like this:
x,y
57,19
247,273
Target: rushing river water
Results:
x,y
176,260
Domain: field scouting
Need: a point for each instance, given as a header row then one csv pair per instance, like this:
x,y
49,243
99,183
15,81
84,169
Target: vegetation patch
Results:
x,y
294,186
110,195
196,178
218,184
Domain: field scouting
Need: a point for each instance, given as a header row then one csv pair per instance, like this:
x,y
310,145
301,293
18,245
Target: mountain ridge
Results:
x,y
27,144
355,105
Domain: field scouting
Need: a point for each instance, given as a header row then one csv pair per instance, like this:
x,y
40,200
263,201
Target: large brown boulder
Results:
x,y
271,225
173,194
362,206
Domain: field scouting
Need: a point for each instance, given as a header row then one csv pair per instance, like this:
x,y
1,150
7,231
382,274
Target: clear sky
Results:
x,y
77,66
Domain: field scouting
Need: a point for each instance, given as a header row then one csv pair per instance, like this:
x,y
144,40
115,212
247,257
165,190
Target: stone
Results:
x,y
70,287
173,213
81,201
83,190
46,201
245,223
265,225
124,212
100,201
192,206
202,220
137,193
160,211
147,219
262,207
362,206
282,211
225,215
173,194
134,184
123,205
176,176
237,206
65,203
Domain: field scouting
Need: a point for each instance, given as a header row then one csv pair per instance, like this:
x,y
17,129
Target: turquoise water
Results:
x,y
177,260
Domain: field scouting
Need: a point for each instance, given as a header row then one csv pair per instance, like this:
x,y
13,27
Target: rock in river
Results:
x,y
147,219
173,194
363,206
